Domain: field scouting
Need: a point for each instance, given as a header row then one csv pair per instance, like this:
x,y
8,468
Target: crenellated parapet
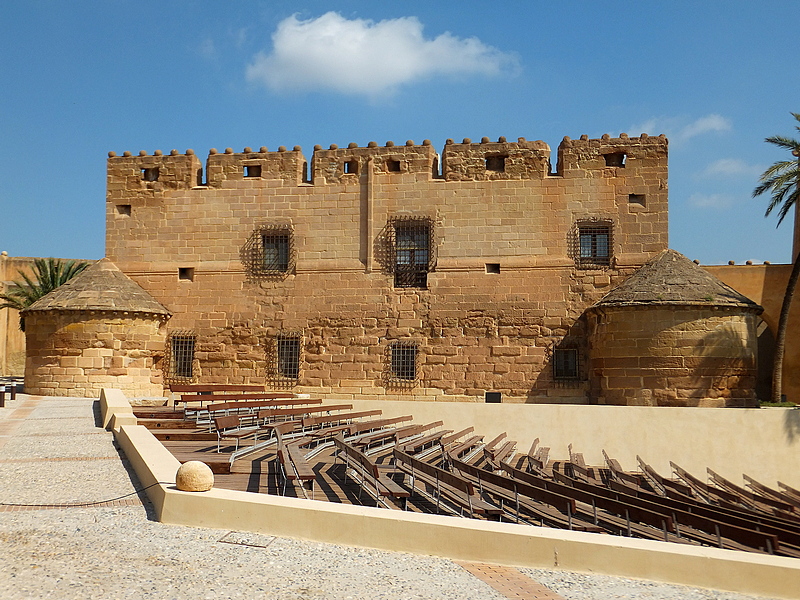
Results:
x,y
495,160
611,157
286,165
148,176
342,165
152,175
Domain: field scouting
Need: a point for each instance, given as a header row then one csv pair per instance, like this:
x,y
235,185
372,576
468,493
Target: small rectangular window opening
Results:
x,y
404,361
288,356
636,199
393,166
493,397
615,159
351,167
496,163
186,273
124,210
150,174
493,268
565,363
412,254
182,355
252,171
276,252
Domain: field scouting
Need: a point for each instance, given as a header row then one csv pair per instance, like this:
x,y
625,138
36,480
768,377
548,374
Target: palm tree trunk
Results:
x,y
780,338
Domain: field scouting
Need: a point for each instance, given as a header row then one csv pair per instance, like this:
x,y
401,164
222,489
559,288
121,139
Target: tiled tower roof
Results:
x,y
101,286
672,279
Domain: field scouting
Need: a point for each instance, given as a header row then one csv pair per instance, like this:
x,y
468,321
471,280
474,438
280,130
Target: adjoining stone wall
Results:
x,y
75,353
673,356
766,284
503,292
12,339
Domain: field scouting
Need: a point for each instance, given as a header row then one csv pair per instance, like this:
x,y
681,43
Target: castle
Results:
x,y
396,272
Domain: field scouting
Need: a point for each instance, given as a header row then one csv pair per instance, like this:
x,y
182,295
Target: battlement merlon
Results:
x,y
466,161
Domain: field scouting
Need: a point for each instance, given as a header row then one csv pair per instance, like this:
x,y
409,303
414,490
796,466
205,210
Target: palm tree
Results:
x,y
782,181
48,274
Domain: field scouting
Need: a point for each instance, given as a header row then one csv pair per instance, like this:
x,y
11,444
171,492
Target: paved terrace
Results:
x,y
73,525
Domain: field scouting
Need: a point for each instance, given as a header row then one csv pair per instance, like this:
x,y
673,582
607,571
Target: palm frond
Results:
x,y
782,178
46,275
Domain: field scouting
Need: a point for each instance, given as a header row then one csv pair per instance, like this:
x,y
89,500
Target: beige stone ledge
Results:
x,y
450,537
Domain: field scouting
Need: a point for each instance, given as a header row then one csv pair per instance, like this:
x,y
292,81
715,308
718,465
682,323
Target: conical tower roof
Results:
x,y
101,286
672,279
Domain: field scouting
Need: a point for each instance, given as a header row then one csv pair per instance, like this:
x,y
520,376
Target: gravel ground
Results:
x,y
120,552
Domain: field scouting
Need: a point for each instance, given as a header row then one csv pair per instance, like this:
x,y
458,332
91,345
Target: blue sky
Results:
x,y
82,78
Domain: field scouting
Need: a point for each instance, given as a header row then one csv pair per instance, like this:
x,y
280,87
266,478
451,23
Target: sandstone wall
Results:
x,y
673,356
766,285
73,353
503,292
12,339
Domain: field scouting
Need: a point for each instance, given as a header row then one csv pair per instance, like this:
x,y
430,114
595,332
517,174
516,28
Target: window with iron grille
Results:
x,y
412,253
276,251
565,363
403,362
592,244
269,251
287,351
180,356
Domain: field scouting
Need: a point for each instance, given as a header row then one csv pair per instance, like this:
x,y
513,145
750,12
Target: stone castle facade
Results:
x,y
389,271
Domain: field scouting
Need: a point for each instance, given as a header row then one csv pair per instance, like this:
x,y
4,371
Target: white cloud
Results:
x,y
680,129
730,167
360,56
707,124
711,200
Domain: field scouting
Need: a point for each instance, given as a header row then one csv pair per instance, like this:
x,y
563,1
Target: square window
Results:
x,y
150,174
351,167
593,245
565,363
403,367
615,159
124,210
493,268
181,356
287,353
496,163
186,273
412,241
269,251
393,166
252,171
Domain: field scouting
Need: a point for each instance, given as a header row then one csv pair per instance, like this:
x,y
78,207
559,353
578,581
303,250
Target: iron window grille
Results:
x,y
592,244
180,357
287,356
269,252
565,364
403,363
412,251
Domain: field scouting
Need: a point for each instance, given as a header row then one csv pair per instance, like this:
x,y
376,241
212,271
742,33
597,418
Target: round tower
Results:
x,y
98,330
673,335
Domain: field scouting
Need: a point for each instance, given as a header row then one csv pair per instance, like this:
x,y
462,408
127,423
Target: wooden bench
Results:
x,y
294,466
204,389
369,472
447,485
231,428
268,415
252,407
522,495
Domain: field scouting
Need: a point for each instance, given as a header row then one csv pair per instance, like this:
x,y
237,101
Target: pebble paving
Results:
x,y
51,453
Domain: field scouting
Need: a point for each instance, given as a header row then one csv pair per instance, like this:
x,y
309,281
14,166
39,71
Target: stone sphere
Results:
x,y
194,476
